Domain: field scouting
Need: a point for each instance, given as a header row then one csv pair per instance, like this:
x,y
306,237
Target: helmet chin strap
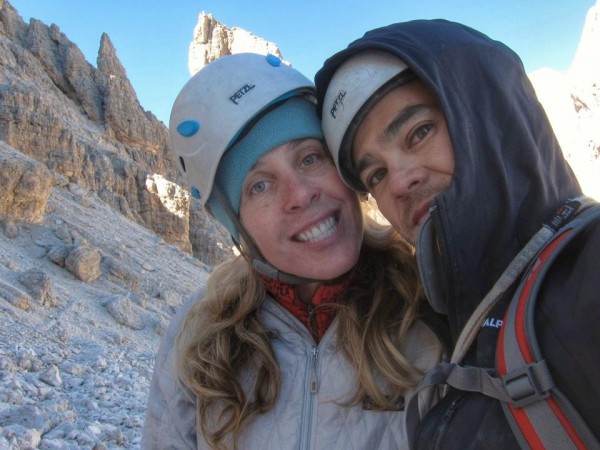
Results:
x,y
253,254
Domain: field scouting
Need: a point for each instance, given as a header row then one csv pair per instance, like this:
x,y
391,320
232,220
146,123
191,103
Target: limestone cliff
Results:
x,y
86,185
572,101
88,127
212,39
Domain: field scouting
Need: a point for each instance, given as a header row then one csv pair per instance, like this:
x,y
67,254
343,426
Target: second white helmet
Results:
x,y
355,87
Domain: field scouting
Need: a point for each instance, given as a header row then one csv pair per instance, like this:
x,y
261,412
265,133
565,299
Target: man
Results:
x,y
442,126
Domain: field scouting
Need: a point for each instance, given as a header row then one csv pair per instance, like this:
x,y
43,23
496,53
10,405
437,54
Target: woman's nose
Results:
x,y
298,192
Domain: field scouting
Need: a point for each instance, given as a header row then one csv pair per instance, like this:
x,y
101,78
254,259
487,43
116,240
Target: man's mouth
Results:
x,y
420,213
320,231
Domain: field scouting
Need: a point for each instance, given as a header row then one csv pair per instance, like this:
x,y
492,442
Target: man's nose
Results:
x,y
404,177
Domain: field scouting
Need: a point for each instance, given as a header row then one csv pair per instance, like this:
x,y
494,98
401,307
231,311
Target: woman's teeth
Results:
x,y
321,231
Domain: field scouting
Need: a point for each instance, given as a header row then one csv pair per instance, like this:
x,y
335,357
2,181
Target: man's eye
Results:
x,y
375,177
420,133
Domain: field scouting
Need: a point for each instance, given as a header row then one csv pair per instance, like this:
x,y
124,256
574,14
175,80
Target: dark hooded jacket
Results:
x,y
510,176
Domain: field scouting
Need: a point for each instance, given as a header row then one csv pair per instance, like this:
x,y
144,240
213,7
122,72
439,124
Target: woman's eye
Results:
x,y
309,159
259,187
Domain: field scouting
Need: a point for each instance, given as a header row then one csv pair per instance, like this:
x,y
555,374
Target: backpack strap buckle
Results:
x,y
528,384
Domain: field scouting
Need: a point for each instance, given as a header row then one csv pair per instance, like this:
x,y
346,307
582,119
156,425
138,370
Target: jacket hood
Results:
x,y
510,173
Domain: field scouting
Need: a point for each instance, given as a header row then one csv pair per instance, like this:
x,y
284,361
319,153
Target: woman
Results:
x,y
312,337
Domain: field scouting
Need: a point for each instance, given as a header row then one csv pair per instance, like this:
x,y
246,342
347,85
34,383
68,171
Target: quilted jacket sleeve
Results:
x,y
171,414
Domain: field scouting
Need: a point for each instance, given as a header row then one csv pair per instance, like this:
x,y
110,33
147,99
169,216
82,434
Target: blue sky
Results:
x,y
152,37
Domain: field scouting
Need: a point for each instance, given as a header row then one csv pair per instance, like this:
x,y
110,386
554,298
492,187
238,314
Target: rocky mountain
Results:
x,y
572,101
85,295
212,39
88,127
99,243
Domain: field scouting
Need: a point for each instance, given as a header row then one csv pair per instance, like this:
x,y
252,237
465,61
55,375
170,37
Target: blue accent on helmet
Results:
x,y
188,128
195,192
273,60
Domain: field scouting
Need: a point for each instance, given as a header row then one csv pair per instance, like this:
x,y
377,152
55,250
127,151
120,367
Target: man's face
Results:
x,y
404,156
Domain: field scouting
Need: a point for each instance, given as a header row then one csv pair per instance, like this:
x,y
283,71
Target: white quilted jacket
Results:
x,y
306,415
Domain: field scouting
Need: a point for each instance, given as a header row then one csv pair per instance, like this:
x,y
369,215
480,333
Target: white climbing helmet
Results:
x,y
218,102
354,88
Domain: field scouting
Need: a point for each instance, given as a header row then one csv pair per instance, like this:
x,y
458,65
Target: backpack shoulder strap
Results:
x,y
538,413
525,384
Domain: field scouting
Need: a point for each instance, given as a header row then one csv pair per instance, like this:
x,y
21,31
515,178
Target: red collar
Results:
x,y
318,314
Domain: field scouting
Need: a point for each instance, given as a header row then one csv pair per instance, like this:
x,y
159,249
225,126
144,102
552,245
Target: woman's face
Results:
x,y
303,218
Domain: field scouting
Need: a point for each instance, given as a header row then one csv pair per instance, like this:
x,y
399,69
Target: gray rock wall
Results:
x,y
87,125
